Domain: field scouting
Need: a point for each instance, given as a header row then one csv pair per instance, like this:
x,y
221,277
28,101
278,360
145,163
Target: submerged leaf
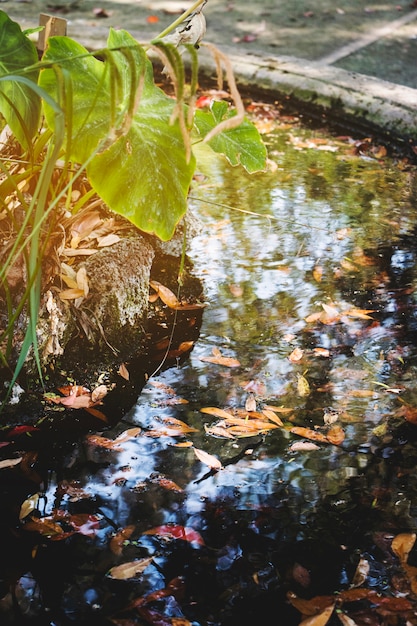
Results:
x,y
133,569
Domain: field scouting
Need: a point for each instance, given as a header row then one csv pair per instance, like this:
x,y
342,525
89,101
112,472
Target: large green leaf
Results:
x,y
142,173
19,104
241,145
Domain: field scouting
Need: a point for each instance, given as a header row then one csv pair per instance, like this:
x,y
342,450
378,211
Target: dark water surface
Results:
x,y
310,274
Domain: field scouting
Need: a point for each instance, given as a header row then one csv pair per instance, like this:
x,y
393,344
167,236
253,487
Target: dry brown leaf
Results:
x,y
166,295
402,545
319,620
250,403
10,462
78,252
296,355
208,459
117,542
180,426
71,294
322,352
123,371
129,570
362,314
218,431
104,442
107,240
82,280
171,300
130,433
99,393
273,417
335,434
303,446
278,409
218,359
310,607
213,410
309,433
361,573
346,620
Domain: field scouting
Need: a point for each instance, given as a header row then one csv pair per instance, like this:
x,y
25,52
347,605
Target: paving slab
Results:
x,y
357,57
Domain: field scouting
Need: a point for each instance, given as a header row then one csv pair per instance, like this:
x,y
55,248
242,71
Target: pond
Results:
x,y
270,476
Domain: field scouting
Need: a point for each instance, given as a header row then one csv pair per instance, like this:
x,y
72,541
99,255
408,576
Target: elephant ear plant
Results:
x,y
96,120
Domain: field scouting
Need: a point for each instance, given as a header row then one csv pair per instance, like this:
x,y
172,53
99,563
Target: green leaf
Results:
x,y
19,105
241,145
140,169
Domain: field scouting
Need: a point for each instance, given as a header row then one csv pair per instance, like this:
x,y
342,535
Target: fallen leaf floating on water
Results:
x,y
10,462
361,573
79,397
314,608
171,300
303,446
296,355
174,531
336,433
208,459
321,619
123,371
219,359
332,314
133,569
240,422
250,404
55,526
118,541
114,444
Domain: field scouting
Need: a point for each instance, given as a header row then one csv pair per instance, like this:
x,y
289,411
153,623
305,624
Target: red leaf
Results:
x,y
177,532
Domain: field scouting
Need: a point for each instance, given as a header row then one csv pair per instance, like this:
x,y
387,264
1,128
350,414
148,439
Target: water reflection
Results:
x,y
320,228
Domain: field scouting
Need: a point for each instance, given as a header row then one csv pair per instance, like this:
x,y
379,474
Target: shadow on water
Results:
x,y
310,273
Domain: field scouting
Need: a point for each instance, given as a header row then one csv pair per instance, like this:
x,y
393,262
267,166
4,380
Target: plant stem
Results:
x,y
179,20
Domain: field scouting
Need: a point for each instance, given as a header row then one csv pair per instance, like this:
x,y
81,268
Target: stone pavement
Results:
x,y
360,55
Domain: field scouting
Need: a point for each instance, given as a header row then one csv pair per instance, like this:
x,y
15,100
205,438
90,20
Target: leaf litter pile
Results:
x,y
271,478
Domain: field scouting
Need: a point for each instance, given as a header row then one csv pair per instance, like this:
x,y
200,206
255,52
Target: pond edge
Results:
x,y
365,103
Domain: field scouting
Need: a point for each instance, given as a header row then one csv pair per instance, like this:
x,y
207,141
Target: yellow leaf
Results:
x,y
129,570
303,386
71,294
70,282
208,459
318,273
